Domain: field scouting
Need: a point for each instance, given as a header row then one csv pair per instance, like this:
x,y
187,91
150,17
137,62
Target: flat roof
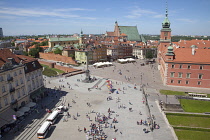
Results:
x,y
44,126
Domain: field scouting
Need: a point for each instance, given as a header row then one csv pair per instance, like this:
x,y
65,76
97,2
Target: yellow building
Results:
x,y
63,41
80,56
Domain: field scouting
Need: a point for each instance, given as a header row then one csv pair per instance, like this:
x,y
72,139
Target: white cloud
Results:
x,y
137,12
186,20
7,17
74,9
39,12
159,16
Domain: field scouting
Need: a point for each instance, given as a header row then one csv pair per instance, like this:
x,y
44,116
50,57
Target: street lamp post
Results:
x,y
87,71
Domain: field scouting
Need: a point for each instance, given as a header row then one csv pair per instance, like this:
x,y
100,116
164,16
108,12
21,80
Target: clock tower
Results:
x,y
165,34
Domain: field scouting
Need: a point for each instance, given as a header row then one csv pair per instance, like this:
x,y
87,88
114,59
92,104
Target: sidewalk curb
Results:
x,y
166,120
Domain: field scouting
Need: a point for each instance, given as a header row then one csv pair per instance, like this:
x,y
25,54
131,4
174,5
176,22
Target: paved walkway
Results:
x,y
123,76
126,127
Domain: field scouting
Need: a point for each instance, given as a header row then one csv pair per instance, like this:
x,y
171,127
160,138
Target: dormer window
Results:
x,y
34,65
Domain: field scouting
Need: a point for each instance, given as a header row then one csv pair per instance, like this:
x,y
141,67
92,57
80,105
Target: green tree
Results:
x,y
34,52
13,43
34,43
58,51
72,56
25,53
44,43
149,54
40,49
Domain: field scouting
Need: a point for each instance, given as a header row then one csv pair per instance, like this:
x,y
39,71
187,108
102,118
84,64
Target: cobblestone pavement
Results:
x,y
125,76
127,128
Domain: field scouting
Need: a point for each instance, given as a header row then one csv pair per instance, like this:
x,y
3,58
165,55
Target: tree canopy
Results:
x,y
35,51
58,51
149,54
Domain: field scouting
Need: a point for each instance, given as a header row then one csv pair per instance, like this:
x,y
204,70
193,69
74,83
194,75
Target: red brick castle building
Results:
x,y
180,65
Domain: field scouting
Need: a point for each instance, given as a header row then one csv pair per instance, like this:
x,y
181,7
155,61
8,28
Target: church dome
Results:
x,y
170,48
166,23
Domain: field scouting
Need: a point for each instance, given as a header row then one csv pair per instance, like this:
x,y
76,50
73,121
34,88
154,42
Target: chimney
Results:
x,y
193,51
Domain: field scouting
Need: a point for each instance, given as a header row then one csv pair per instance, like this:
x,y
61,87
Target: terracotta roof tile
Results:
x,y
184,55
5,54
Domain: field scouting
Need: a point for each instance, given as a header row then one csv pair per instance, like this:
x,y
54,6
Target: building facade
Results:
x,y
63,41
80,56
182,66
14,84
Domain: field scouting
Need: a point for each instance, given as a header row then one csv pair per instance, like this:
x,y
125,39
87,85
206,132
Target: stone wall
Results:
x,y
57,57
50,64
53,65
66,69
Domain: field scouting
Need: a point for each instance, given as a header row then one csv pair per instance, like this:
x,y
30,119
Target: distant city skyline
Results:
x,y
189,17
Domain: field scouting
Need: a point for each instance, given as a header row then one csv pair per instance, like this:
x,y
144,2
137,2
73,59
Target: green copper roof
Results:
x,y
48,49
166,22
143,39
58,46
63,39
131,32
170,51
170,48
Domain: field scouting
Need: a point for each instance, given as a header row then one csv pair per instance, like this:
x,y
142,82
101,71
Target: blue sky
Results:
x,y
33,17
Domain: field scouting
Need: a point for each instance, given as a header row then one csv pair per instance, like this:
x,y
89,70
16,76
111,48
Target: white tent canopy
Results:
x,y
126,60
102,64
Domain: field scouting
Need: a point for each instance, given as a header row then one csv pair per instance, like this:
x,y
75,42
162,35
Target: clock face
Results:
x,y
165,34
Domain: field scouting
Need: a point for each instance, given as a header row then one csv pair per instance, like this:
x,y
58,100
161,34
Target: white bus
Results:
x,y
53,116
43,130
61,109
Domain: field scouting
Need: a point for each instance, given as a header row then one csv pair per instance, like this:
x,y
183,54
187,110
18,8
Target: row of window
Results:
x,y
12,97
180,75
35,85
63,43
11,85
188,67
186,82
35,74
9,75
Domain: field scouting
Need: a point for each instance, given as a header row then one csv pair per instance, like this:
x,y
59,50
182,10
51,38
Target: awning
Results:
x,y
24,109
30,104
2,122
19,113
6,117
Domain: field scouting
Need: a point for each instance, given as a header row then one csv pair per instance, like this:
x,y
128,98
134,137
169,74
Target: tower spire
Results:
x,y
166,8
81,31
166,22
